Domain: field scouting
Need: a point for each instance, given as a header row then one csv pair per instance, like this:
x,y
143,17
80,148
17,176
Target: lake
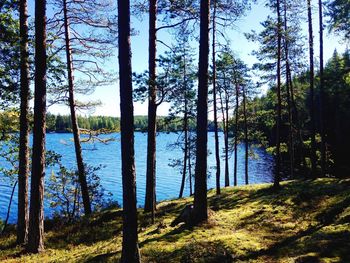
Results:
x,y
168,178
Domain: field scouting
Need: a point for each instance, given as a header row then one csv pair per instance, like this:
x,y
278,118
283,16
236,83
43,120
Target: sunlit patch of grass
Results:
x,y
305,221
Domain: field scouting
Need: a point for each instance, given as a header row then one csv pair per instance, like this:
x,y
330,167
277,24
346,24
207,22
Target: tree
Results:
x,y
130,251
288,85
322,119
311,80
23,171
150,198
76,133
226,12
9,54
226,86
290,60
36,216
84,51
180,82
200,191
277,178
338,12
246,141
217,153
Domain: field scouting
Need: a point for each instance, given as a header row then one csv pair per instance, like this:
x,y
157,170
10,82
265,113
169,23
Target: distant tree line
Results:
x,y
62,123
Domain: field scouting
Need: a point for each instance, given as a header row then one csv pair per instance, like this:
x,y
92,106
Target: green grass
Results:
x,y
306,221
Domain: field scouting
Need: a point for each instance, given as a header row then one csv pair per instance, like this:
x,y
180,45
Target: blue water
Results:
x,y
168,178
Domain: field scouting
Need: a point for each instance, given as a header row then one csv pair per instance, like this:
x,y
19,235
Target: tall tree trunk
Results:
x,y
288,87
312,106
200,191
189,163
23,167
36,214
216,132
279,104
224,124
227,173
236,135
150,201
295,114
246,143
322,110
185,130
184,169
130,250
75,128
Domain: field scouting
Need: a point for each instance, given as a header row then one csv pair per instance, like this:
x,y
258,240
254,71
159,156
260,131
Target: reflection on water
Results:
x,y
168,178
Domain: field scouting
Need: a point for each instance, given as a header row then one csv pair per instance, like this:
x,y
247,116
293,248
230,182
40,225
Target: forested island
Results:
x,y
246,124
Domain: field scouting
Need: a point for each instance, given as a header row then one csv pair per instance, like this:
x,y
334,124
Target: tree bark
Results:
x,y
225,128
288,87
150,201
185,130
200,191
130,251
216,132
236,135
279,104
75,128
227,172
23,166
322,109
36,214
312,75
246,142
295,114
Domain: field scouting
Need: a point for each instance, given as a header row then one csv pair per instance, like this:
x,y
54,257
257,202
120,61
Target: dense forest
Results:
x,y
292,103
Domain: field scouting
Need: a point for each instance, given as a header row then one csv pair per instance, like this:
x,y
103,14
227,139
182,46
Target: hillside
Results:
x,y
306,221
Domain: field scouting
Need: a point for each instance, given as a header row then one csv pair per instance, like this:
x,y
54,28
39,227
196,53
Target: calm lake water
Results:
x,y
168,178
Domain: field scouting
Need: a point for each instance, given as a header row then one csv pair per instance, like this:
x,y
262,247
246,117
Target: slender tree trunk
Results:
x,y
322,110
23,167
236,135
300,147
216,132
279,104
150,201
246,143
185,130
75,128
9,208
185,159
224,124
290,116
200,191
130,250
36,213
312,106
227,172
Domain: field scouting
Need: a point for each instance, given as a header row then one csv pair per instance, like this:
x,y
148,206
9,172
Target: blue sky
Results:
x,y
109,96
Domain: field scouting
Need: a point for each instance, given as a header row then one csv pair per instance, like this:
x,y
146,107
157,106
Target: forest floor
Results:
x,y
306,221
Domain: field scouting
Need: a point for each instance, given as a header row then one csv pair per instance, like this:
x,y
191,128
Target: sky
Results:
x,y
109,95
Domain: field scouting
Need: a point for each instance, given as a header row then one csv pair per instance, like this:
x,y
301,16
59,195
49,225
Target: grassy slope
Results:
x,y
307,221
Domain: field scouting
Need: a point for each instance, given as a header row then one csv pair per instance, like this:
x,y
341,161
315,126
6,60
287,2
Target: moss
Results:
x,y
305,221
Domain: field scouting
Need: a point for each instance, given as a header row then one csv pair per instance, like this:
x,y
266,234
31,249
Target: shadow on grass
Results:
x,y
201,251
105,226
102,258
171,236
